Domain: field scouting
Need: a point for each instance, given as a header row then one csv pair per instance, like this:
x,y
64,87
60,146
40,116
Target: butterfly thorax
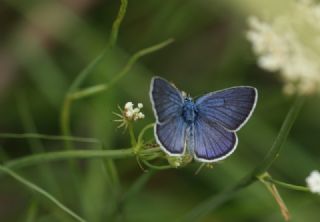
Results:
x,y
189,111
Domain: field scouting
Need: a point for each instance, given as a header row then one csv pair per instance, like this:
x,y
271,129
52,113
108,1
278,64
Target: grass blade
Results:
x,y
41,191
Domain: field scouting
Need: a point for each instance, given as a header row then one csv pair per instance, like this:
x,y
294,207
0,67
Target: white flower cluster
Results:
x,y
287,46
313,181
132,113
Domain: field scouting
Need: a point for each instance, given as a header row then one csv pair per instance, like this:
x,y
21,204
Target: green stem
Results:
x,y
275,150
150,151
103,87
138,184
117,23
286,185
72,154
65,120
155,167
86,71
65,113
41,191
143,131
88,91
36,144
49,137
32,211
132,136
111,169
75,95
213,202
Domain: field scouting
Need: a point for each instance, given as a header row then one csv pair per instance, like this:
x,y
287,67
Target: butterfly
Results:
x,y
206,127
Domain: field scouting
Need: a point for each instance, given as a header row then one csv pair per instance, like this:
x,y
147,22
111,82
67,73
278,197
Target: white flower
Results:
x,y
136,110
128,105
140,115
291,46
313,182
131,113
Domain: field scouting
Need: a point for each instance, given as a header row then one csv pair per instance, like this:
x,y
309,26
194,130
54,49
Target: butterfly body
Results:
x,y
189,111
206,127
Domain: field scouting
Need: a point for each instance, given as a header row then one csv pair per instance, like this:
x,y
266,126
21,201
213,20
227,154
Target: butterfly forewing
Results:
x,y
230,108
167,101
211,142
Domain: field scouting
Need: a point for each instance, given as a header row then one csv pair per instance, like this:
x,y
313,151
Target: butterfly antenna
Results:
x,y
197,96
199,168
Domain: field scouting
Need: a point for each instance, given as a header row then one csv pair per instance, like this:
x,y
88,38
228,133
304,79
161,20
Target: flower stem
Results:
x,y
155,167
117,23
143,131
133,59
71,154
92,90
286,185
132,136
49,137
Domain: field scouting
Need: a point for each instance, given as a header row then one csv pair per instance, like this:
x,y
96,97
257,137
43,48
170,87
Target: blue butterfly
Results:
x,y
206,127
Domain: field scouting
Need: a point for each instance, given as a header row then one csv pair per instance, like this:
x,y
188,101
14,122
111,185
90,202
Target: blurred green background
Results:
x,y
45,44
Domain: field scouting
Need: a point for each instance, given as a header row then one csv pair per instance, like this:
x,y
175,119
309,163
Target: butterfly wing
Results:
x,y
211,142
166,100
230,108
171,135
170,129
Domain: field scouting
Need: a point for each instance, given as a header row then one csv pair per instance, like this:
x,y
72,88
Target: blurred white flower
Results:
x,y
313,182
286,45
129,114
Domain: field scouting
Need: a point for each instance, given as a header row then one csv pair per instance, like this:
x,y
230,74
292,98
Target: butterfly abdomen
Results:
x,y
189,111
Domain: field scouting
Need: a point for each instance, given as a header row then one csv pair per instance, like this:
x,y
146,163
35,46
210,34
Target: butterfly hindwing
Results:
x,y
167,101
171,135
230,108
211,142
